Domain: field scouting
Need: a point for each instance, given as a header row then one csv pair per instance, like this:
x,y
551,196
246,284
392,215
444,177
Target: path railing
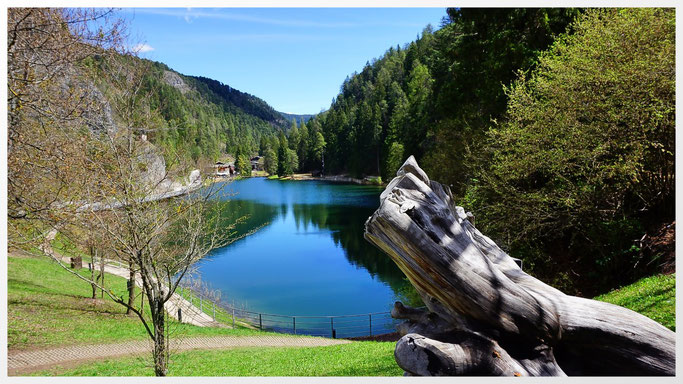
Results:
x,y
343,326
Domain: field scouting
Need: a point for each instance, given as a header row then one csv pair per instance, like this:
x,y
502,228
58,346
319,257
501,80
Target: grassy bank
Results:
x,y
654,297
47,306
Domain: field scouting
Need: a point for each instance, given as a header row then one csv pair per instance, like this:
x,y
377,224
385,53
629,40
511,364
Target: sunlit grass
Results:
x,y
654,297
48,306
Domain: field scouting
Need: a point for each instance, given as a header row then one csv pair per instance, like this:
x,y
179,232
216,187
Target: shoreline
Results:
x,y
342,179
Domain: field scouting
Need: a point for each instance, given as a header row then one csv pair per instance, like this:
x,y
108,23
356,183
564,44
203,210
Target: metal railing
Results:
x,y
342,326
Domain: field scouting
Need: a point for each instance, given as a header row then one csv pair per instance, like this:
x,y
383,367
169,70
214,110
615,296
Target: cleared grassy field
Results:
x,y
47,307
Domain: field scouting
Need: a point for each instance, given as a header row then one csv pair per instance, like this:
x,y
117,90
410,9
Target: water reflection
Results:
x,y
310,258
347,225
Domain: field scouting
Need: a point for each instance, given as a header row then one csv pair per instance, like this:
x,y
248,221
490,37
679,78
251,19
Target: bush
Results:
x,y
586,152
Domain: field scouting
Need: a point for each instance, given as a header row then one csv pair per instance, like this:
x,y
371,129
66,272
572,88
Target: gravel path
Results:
x,y
19,363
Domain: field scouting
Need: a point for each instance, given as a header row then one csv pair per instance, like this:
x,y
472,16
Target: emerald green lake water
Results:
x,y
310,258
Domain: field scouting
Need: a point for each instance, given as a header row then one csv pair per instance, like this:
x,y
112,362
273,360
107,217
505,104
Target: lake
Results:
x,y
308,256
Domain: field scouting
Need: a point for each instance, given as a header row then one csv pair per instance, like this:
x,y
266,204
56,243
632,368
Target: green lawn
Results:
x,y
365,358
47,306
654,297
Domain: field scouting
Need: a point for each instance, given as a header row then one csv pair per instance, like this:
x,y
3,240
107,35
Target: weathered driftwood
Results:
x,y
484,315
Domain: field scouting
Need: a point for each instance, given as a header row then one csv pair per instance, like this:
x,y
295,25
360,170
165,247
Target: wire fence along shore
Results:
x,y
210,303
342,326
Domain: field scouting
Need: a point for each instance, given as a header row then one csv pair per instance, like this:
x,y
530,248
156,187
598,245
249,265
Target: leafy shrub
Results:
x,y
586,152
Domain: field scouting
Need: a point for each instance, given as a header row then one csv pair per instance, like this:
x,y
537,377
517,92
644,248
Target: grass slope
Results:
x,y
654,297
47,307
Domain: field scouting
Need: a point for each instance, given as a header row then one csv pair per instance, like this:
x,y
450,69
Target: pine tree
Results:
x,y
293,139
283,165
302,150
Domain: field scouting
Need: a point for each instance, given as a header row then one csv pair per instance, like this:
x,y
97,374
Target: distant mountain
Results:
x,y
290,116
248,103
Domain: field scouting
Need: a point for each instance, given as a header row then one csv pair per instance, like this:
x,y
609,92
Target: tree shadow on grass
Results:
x,y
73,303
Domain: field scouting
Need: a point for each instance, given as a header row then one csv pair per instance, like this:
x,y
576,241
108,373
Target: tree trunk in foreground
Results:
x,y
160,343
130,286
484,315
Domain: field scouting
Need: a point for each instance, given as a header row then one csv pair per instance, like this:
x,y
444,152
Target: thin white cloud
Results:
x,y
142,48
189,17
190,14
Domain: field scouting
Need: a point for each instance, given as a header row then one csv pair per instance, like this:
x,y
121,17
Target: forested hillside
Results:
x,y
196,118
554,126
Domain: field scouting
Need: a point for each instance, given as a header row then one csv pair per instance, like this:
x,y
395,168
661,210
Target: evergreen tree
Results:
x,y
304,143
293,139
283,164
318,150
271,162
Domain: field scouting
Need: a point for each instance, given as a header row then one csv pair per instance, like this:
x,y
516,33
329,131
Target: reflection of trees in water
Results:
x,y
248,215
347,224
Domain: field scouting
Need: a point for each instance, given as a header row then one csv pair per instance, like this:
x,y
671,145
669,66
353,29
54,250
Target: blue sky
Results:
x,y
293,58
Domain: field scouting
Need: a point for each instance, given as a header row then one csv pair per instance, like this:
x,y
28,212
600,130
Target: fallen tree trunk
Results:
x,y
484,315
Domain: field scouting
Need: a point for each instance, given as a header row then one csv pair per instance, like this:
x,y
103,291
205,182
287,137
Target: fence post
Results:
x,y
370,315
260,322
332,327
201,309
233,318
294,323
213,305
180,315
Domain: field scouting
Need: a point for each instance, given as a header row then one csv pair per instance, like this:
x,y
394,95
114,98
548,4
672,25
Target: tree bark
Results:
x,y
484,315
160,346
131,288
101,274
93,285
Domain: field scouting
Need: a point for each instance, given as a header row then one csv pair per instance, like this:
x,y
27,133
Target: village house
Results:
x,y
257,163
224,169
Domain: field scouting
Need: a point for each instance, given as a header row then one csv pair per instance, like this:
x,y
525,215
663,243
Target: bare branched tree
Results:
x,y
50,107
77,161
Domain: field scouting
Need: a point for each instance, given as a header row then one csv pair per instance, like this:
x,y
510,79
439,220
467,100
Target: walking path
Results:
x,y
21,363
190,313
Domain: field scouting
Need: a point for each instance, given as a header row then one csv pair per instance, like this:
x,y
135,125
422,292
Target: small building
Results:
x,y
224,169
257,163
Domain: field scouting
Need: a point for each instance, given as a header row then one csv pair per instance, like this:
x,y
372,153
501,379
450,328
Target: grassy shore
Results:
x,y
48,307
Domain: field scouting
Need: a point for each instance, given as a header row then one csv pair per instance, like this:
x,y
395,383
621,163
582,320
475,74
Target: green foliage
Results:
x,y
654,297
271,161
586,149
435,96
284,165
293,160
394,160
243,165
198,118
